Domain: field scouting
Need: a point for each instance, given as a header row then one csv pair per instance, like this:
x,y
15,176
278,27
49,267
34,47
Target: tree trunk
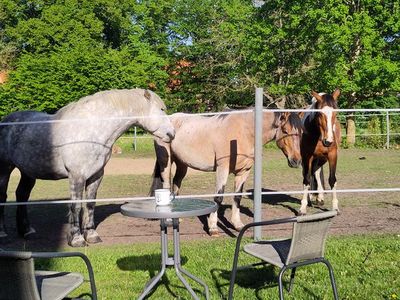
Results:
x,y
351,130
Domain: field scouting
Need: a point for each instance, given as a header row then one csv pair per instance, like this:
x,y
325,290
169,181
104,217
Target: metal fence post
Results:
x,y
387,130
134,138
258,114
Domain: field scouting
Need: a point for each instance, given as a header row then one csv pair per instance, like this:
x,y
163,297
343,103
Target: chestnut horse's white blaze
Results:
x,y
74,143
223,144
319,144
328,112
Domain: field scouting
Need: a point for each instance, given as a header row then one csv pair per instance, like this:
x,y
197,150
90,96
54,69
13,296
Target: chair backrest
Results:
x,y
17,276
309,236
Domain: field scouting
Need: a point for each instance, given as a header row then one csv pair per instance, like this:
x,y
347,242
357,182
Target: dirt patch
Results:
x,y
117,229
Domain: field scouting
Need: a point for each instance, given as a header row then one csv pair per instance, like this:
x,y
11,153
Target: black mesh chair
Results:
x,y
20,281
305,247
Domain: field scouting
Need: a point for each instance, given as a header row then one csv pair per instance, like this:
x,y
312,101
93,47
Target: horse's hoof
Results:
x,y
338,211
30,233
320,202
214,232
239,227
77,241
92,237
300,213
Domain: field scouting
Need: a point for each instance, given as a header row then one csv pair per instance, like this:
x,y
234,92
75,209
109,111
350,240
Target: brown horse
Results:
x,y
223,144
319,144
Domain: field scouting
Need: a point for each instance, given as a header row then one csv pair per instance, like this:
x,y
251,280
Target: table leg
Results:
x,y
164,257
178,266
176,261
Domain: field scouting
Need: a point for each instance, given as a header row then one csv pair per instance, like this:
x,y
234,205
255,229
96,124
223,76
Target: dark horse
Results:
x,y
73,143
319,144
223,144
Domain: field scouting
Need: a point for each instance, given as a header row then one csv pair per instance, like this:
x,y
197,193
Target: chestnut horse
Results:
x,y
223,144
319,144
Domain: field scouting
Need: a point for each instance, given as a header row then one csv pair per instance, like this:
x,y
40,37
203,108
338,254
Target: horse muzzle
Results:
x,y
294,163
166,134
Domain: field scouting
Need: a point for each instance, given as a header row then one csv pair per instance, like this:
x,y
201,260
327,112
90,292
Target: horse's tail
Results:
x,y
157,180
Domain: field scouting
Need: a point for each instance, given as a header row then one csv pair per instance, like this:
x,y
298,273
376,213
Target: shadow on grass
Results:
x,y
246,278
152,264
283,200
223,223
51,225
256,278
102,212
277,199
147,262
46,237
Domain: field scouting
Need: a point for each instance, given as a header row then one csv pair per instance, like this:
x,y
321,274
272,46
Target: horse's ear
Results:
x,y
147,94
316,96
336,94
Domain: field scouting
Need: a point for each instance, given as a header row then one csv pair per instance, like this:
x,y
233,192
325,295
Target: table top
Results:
x,y
178,208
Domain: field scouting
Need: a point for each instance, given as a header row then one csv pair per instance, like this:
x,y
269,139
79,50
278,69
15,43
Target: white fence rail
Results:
x,y
386,133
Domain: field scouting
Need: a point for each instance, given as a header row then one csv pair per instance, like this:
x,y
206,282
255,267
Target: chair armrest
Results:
x,y
72,254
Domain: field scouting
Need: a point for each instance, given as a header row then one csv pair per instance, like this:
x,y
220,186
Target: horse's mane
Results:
x,y
295,121
111,100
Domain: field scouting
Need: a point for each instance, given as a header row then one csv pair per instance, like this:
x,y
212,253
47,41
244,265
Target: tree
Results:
x,y
358,51
69,49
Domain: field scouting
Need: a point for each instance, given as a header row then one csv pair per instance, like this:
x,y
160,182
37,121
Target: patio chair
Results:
x,y
20,281
305,247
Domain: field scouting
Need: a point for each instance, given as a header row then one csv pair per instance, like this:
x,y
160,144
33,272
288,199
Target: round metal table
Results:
x,y
179,208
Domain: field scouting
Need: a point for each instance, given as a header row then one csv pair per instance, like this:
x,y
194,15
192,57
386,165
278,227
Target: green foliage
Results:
x,y
70,49
289,48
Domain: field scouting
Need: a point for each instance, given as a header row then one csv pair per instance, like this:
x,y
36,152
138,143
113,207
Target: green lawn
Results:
x,y
366,267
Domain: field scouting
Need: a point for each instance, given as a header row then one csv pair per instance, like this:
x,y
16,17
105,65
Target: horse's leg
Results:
x,y
332,181
239,183
5,172
222,177
162,170
180,173
76,186
320,187
307,168
88,226
22,194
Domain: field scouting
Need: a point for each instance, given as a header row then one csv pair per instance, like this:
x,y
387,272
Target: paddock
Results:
x,y
126,177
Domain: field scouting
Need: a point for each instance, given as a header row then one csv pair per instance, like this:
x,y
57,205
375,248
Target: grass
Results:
x,y
366,267
142,146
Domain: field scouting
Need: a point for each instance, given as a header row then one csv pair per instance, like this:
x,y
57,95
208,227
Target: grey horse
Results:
x,y
73,143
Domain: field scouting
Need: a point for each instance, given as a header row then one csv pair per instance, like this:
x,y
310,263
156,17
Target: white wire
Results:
x,y
131,199
197,114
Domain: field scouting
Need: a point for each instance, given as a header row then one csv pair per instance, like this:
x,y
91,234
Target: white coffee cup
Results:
x,y
163,196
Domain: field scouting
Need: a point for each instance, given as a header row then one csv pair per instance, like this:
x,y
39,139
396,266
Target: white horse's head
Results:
x,y
157,121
